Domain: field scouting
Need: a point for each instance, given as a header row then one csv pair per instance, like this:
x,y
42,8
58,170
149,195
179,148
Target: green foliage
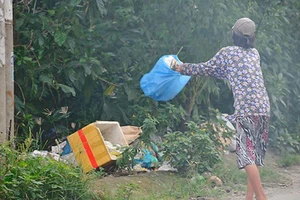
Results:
x,y
198,148
24,176
148,128
286,143
89,55
192,150
165,115
288,160
281,69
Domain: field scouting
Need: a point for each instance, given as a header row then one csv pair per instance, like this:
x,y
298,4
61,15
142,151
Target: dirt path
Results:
x,y
287,192
276,191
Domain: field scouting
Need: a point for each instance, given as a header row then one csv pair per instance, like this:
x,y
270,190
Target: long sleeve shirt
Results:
x,y
241,67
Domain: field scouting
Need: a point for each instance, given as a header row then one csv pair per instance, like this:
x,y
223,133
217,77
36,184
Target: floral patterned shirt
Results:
x,y
242,68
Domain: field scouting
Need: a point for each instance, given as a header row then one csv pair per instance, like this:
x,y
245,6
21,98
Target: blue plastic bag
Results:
x,y
162,83
148,160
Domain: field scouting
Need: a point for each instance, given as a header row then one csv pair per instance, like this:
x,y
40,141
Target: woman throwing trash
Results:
x,y
240,65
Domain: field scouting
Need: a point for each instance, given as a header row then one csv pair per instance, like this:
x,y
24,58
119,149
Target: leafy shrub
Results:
x,y
192,150
286,143
197,148
24,176
166,115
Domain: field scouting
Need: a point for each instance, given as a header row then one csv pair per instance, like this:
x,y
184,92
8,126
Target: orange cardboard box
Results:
x,y
88,144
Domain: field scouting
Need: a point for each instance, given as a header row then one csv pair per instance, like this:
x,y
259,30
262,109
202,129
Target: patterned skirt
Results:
x,y
251,140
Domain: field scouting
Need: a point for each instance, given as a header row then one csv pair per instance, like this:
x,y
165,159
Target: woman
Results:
x,y
240,64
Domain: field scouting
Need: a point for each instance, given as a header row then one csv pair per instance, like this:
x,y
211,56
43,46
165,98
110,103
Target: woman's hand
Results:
x,y
175,66
178,67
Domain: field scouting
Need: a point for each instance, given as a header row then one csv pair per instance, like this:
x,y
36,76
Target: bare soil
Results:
x,y
287,192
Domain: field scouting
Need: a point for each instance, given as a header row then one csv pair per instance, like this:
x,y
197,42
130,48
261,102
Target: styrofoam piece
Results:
x,y
107,128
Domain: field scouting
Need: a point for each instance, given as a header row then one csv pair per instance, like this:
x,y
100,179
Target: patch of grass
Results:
x,y
24,176
271,177
288,160
231,176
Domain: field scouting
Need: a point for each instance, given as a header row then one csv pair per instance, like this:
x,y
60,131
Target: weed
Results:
x,y
99,173
288,160
125,190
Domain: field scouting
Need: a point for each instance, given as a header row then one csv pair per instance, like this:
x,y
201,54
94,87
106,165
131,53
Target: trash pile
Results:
x,y
101,143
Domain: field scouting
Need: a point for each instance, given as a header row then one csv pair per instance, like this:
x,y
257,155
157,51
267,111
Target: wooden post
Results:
x,y
9,69
3,137
6,72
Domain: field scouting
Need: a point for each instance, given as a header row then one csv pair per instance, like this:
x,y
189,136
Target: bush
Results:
x,y
192,150
24,176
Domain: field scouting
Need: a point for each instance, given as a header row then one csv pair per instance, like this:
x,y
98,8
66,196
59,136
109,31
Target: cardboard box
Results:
x,y
88,144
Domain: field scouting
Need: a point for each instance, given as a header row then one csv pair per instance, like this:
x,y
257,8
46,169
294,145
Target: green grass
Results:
x,y
24,176
231,176
288,160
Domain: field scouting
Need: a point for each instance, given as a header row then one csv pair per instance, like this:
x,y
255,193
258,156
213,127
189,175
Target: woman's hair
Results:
x,y
243,41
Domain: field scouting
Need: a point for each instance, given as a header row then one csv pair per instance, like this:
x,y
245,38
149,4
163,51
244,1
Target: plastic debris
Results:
x,y
45,154
167,167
